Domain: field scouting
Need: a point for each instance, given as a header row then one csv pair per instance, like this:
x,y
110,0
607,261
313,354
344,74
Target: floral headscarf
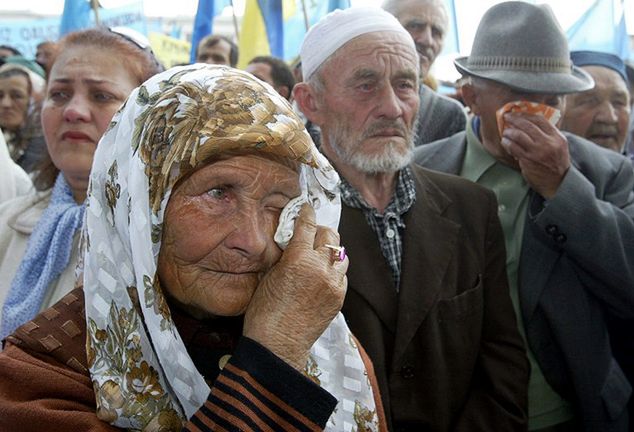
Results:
x,y
169,126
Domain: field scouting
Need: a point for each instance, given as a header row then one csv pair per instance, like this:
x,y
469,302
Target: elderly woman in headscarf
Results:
x,y
21,92
213,278
15,181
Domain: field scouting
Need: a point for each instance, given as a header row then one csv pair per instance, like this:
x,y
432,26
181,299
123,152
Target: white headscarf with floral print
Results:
x,y
141,371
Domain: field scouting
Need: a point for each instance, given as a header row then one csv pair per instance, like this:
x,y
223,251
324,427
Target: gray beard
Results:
x,y
392,159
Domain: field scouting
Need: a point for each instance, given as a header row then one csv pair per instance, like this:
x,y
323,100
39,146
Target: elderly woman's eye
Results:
x,y
18,95
217,193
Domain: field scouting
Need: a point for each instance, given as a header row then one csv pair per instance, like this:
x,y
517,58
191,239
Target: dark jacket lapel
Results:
x,y
369,273
434,245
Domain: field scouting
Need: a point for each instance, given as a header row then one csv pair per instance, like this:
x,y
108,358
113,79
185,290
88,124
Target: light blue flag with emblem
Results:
x,y
601,28
295,21
76,16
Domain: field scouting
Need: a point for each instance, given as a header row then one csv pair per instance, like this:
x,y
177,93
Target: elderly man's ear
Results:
x,y
470,98
308,102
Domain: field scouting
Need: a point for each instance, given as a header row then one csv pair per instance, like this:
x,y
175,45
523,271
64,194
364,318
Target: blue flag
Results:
x,y
203,23
277,27
76,16
271,11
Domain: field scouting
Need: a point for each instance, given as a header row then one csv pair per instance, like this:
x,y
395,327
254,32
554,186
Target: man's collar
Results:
x,y
402,199
477,160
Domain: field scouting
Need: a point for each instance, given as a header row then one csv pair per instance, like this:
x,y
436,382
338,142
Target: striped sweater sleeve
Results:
x,y
257,391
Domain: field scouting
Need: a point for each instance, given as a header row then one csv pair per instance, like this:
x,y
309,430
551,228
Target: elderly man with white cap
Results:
x,y
427,293
567,210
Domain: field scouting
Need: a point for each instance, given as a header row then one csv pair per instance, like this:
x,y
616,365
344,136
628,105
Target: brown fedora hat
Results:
x,y
522,46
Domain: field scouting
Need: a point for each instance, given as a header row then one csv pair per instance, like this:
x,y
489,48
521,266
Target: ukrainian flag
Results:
x,y
262,30
277,27
203,22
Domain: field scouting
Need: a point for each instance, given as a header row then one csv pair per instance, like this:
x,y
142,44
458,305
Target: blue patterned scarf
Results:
x,y
47,255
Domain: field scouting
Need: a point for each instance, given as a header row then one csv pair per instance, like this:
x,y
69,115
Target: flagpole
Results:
x,y
306,22
455,24
95,8
235,21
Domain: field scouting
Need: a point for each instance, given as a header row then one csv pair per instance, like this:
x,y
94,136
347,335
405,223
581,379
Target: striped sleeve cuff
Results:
x,y
257,391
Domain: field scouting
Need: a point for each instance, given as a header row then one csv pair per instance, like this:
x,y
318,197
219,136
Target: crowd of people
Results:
x,y
328,245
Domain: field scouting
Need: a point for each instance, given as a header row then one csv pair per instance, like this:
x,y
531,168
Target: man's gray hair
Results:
x,y
316,80
394,6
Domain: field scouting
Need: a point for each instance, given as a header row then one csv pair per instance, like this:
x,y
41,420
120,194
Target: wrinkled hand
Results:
x,y
540,149
297,299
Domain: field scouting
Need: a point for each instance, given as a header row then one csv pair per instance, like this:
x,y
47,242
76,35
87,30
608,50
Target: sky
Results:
x,y
469,11
469,14
471,8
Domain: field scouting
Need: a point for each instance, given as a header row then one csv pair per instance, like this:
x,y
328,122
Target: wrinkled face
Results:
x,y
218,233
86,87
370,102
485,97
14,101
217,54
426,21
601,114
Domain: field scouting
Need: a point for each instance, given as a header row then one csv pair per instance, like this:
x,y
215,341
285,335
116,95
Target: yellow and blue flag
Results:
x,y
203,23
277,27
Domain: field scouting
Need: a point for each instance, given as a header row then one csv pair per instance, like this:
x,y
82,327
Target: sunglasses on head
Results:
x,y
133,36
138,40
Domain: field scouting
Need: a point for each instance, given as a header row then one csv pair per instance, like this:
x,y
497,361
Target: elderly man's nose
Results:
x,y
607,113
390,105
423,35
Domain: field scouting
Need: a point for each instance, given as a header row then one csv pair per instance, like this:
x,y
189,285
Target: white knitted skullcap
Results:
x,y
339,27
